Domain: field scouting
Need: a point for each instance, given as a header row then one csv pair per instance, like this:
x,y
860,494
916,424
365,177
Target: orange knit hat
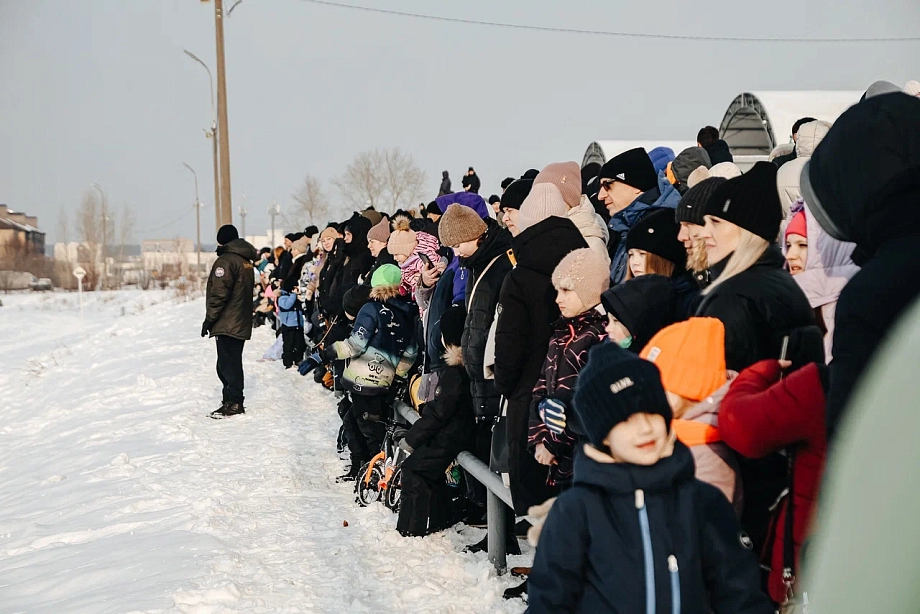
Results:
x,y
690,356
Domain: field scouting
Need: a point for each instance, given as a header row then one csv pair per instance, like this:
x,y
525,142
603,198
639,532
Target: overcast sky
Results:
x,y
101,92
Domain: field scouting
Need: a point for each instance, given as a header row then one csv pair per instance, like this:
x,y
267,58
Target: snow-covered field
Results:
x,y
118,494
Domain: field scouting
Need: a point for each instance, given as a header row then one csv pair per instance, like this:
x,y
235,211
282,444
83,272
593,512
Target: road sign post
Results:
x,y
79,273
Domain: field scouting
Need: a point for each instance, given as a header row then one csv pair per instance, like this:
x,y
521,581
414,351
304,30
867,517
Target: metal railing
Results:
x,y
498,495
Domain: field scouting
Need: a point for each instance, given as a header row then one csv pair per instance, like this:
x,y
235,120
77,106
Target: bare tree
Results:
x,y
89,230
384,179
404,179
312,204
126,223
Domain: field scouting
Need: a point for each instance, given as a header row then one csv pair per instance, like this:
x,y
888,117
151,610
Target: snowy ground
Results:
x,y
118,494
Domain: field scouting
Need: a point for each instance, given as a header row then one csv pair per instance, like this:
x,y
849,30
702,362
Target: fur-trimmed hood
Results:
x,y
453,355
385,293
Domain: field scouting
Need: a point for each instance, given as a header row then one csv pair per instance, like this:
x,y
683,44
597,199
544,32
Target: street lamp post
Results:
x,y
243,218
197,223
105,271
212,134
225,202
273,210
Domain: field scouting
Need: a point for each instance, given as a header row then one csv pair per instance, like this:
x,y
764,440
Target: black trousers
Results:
x,y
230,367
373,431
527,476
424,504
293,346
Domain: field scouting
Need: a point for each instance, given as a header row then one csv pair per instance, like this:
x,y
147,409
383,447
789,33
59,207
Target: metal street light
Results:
x,y
197,222
273,210
105,268
212,134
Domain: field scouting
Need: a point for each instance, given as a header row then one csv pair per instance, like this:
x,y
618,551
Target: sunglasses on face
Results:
x,y
607,183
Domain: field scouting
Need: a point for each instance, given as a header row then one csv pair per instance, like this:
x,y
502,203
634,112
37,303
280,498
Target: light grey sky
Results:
x,y
101,91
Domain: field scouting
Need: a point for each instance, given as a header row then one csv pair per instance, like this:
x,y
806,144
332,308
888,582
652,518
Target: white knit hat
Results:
x,y
585,272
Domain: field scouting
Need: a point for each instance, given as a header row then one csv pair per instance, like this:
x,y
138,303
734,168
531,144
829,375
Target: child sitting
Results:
x,y
691,358
579,279
446,428
637,532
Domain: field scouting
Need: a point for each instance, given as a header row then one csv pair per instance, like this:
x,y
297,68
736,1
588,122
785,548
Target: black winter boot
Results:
x,y
230,409
352,473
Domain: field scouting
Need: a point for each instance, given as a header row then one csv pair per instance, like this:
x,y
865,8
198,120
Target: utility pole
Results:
x,y
104,238
197,223
226,208
273,210
243,217
212,134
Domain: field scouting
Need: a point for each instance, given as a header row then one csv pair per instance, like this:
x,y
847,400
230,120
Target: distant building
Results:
x,y
174,258
20,237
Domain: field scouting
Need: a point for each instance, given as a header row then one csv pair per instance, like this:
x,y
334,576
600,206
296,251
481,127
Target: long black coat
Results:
x,y
229,292
591,554
480,311
758,307
447,423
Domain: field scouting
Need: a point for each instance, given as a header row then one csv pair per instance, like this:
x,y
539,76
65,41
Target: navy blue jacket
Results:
x,y
629,538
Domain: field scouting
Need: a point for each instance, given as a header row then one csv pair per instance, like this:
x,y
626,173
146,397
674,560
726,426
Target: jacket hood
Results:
x,y
468,199
293,276
385,293
719,152
359,226
828,265
542,246
643,305
588,222
240,247
496,241
453,355
863,182
688,161
664,195
809,137
444,175
625,479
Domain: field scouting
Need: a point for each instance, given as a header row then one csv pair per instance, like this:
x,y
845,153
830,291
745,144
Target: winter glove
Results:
x,y
552,411
205,328
309,363
405,446
397,391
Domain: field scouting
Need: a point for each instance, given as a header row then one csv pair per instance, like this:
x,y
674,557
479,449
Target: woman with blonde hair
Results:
x,y
756,300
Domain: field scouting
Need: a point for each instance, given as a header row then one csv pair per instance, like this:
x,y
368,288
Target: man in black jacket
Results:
x,y
229,314
471,181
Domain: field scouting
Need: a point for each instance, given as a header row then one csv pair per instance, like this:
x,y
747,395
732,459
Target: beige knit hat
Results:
x,y
545,200
586,273
380,232
460,224
567,177
402,241
302,245
328,232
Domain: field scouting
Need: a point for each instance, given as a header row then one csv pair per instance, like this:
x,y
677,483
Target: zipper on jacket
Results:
x,y
675,584
647,550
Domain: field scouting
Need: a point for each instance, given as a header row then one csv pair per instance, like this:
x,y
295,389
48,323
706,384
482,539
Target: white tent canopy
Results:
x,y
601,151
756,122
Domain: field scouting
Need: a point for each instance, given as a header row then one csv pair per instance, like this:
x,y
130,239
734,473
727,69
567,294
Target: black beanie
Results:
x,y
494,199
656,233
693,203
614,386
354,299
452,322
643,305
516,193
226,234
309,231
633,168
750,201
433,208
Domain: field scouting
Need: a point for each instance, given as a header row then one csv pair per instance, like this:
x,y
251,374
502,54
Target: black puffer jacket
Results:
x,y
229,293
758,307
447,422
866,176
527,304
592,547
330,277
359,260
482,290
644,305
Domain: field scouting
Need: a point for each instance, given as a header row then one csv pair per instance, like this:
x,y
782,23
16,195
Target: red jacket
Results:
x,y
762,414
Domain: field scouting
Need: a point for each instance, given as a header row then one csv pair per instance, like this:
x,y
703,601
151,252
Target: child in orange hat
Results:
x,y
691,358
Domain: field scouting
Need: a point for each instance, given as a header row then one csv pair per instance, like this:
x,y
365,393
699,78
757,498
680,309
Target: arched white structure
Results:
x,y
601,151
756,122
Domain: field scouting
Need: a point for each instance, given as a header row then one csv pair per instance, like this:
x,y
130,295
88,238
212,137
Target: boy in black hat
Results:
x,y
637,532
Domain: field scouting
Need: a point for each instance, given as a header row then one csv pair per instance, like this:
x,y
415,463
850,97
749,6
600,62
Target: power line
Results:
x,y
641,35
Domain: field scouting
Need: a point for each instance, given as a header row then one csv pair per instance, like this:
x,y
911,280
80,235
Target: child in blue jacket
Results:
x,y
637,532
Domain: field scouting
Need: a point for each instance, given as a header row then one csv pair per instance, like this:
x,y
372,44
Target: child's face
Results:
x,y
796,252
467,249
569,303
615,329
641,440
400,258
637,258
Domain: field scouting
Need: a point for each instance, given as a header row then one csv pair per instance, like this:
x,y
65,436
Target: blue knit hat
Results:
x,y
614,385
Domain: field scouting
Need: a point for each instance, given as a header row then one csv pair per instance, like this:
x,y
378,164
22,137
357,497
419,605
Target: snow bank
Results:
x,y
118,494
